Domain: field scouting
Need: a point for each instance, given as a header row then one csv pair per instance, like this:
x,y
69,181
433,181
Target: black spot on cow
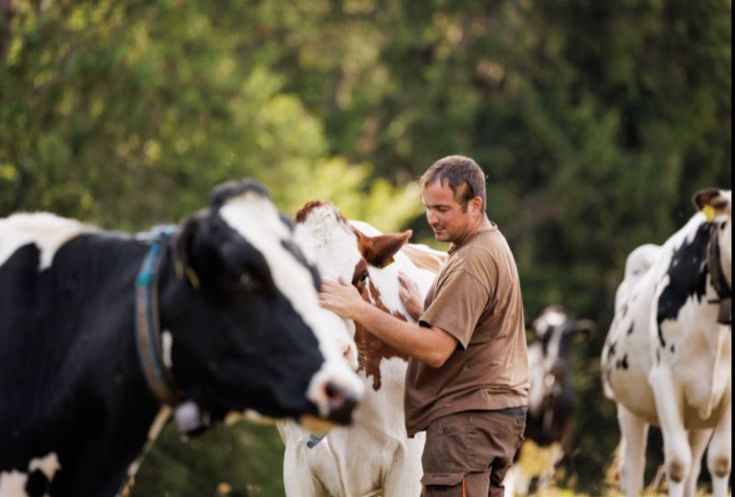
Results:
x,y
624,311
672,348
658,357
630,330
622,363
611,350
37,484
687,275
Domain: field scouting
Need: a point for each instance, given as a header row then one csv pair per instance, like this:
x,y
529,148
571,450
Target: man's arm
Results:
x,y
432,346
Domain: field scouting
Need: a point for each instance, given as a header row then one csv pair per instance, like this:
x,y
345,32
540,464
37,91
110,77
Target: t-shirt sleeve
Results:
x,y
459,302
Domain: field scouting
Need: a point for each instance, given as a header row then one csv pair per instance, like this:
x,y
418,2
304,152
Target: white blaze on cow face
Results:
x,y
323,239
256,219
330,243
47,231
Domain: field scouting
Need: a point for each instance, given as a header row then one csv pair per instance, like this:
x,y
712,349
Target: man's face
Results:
x,y
445,215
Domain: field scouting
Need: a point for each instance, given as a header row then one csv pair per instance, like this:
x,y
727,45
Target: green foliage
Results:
x,y
237,461
595,122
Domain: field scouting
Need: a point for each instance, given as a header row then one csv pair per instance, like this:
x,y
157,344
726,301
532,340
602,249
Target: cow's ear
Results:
x,y
704,200
583,328
586,326
184,249
381,249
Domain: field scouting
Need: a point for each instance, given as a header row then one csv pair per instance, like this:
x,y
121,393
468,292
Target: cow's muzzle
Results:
x,y
342,403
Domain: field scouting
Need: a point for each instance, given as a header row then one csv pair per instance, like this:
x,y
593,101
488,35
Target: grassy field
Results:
x,y
245,460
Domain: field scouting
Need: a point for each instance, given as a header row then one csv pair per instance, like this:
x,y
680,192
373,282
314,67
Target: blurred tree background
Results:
x,y
594,120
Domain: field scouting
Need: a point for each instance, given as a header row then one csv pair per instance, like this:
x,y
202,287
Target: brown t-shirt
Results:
x,y
476,298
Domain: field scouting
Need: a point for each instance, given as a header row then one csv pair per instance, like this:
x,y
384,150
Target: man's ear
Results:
x,y
476,205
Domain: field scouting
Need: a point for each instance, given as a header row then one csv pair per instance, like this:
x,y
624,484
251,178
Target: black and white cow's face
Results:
x,y
258,339
549,353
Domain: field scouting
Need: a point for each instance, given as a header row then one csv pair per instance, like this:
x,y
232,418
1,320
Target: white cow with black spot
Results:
x,y
667,358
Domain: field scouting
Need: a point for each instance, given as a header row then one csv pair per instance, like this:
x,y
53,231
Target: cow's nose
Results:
x,y
342,403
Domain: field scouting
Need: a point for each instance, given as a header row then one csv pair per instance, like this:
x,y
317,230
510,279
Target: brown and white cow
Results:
x,y
667,358
374,456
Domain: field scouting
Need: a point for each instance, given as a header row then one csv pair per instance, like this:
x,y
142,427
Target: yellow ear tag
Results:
x,y
709,212
193,279
179,269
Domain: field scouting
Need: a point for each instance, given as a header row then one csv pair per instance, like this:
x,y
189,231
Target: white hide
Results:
x,y
13,483
684,387
47,231
374,456
257,220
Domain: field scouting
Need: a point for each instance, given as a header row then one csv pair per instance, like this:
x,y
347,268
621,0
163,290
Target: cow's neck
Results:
x,y
98,416
371,351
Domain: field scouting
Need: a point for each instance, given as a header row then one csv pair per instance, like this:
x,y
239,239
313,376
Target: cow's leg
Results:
x,y
698,442
669,407
298,480
634,433
404,476
509,483
719,452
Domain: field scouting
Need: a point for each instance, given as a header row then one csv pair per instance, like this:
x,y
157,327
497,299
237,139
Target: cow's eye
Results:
x,y
249,283
361,278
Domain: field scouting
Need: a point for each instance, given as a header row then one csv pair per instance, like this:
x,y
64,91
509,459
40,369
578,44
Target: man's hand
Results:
x,y
342,299
410,296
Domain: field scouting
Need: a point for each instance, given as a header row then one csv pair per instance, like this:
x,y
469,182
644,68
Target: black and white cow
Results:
x,y
551,397
667,358
100,330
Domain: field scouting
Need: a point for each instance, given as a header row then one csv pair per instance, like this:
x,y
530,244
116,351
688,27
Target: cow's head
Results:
x,y
247,329
716,205
549,353
361,256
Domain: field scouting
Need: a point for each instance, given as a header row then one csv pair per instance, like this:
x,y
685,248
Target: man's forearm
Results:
x,y
431,346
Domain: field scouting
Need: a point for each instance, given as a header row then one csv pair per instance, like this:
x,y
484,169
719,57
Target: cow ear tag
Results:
x,y
182,271
709,212
193,278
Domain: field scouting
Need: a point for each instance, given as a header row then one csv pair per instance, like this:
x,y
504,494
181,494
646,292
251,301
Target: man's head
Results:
x,y
453,193
463,176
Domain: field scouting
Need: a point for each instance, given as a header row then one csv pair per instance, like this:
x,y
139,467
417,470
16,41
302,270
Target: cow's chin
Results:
x,y
316,425
250,415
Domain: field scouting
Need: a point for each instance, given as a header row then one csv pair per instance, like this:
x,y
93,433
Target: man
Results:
x,y
467,379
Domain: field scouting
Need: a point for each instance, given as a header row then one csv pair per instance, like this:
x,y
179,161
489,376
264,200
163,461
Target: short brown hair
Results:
x,y
456,171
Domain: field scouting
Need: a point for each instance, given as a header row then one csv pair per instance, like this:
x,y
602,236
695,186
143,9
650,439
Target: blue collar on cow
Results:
x,y
313,440
724,292
147,325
